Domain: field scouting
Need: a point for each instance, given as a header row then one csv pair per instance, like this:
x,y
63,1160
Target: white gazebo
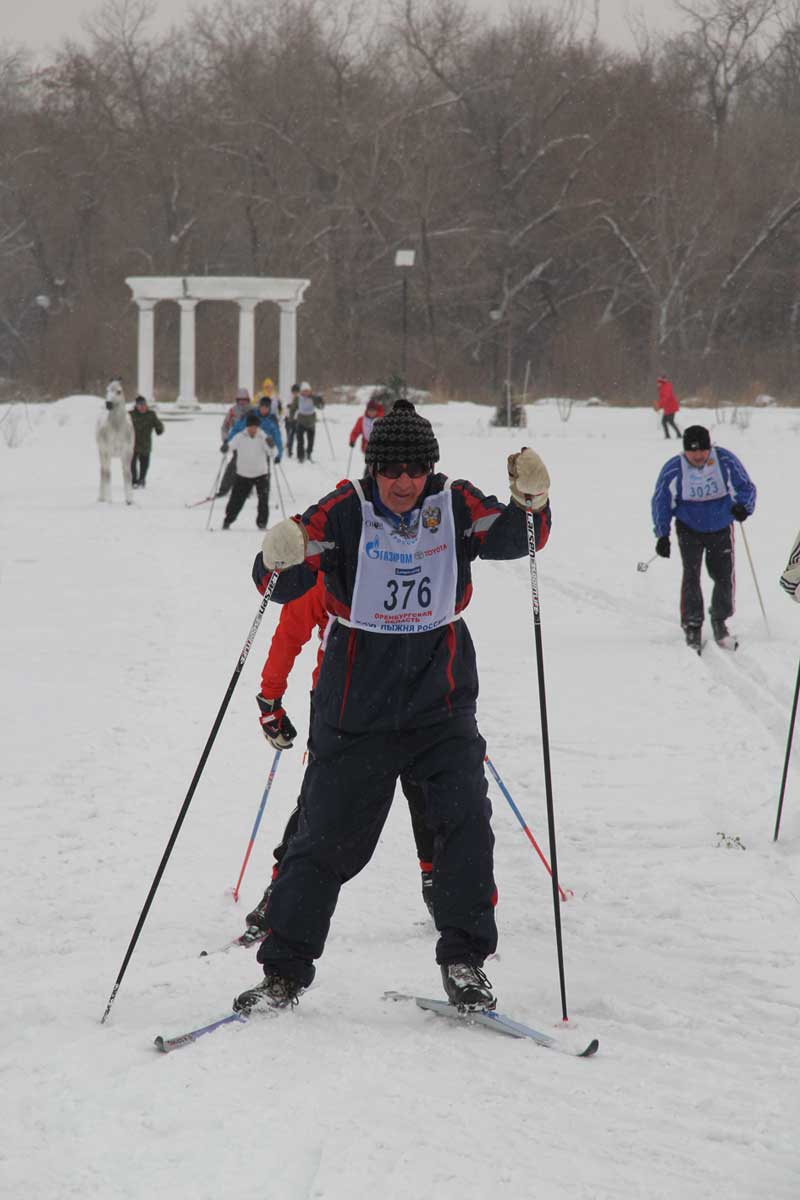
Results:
x,y
245,290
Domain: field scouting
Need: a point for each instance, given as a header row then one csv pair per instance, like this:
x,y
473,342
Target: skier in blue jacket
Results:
x,y
705,490
268,423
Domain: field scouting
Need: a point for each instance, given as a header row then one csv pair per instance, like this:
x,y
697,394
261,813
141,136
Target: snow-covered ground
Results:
x,y
120,630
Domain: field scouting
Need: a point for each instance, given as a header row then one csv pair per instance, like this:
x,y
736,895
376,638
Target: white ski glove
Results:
x,y
284,545
790,579
527,476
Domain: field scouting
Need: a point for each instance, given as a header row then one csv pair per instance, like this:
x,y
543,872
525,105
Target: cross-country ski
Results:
x,y
499,1022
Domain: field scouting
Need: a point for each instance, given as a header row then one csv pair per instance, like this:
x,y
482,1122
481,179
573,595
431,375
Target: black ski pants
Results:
x,y
139,464
242,487
346,797
718,550
667,423
423,834
291,430
305,441
228,476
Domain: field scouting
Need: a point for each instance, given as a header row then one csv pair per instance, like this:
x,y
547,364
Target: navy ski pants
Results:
x,y
347,794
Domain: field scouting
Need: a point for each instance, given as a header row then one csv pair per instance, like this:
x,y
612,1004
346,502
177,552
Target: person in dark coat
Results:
x,y
396,694
145,423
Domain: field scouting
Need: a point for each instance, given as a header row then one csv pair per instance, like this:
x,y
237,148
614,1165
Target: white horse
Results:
x,y
114,436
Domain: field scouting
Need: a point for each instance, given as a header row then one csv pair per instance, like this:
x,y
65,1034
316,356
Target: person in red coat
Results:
x,y
363,426
668,403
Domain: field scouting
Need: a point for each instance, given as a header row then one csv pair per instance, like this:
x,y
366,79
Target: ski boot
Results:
x,y
720,630
694,637
467,987
258,917
274,992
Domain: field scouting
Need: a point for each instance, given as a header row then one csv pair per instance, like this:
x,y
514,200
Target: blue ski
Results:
x,y
497,1021
252,936
186,1039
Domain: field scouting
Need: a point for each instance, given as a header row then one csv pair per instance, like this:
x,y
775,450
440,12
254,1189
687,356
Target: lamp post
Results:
x,y
404,259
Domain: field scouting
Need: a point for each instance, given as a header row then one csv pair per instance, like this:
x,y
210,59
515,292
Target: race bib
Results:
x,y
702,483
406,580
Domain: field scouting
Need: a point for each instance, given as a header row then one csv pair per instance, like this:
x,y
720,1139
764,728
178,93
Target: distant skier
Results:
x,y
298,621
303,411
237,412
668,403
268,392
267,422
145,424
290,420
363,426
252,449
396,692
706,491
790,579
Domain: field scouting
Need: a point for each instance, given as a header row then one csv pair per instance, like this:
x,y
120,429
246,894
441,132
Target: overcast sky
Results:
x,y
42,23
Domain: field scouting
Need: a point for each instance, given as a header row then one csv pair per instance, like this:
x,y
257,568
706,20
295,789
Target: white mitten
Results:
x,y
790,579
527,476
284,545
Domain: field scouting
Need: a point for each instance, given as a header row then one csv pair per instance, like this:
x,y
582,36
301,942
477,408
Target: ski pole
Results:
x,y
285,480
280,493
788,754
330,440
259,815
642,566
192,787
525,828
755,581
548,783
349,463
216,489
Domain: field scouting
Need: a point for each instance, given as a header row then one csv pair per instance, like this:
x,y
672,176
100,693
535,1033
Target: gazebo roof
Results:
x,y
217,287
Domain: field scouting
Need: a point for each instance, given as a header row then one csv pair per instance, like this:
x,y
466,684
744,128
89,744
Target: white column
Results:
x,y
186,383
145,383
247,344
287,361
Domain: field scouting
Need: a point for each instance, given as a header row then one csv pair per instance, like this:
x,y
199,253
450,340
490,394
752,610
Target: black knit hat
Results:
x,y
402,437
252,418
696,437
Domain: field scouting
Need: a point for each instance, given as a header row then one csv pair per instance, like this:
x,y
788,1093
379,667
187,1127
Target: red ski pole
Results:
x,y
562,893
259,815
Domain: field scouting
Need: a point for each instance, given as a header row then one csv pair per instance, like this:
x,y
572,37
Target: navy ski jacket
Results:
x,y
377,681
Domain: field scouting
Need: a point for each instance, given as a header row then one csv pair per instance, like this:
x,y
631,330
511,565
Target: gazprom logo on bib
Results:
x,y
374,551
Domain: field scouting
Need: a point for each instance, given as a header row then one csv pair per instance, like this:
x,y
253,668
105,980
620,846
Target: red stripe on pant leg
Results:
x,y
351,656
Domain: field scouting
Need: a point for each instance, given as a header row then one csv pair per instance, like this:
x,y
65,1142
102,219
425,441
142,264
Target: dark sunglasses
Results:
x,y
414,470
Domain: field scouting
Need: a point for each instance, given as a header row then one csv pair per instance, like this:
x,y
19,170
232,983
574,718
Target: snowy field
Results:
x,y
120,630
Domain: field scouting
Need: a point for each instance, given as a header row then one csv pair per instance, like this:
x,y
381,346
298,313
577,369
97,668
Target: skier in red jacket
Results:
x,y
296,626
668,403
363,426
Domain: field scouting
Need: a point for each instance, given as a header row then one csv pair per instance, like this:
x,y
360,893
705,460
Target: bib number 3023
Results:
x,y
401,593
700,491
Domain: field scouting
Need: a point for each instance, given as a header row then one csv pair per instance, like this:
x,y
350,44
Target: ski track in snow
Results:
x,y
120,630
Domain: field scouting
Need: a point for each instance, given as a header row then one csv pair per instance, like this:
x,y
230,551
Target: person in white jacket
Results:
x,y
252,448
790,579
